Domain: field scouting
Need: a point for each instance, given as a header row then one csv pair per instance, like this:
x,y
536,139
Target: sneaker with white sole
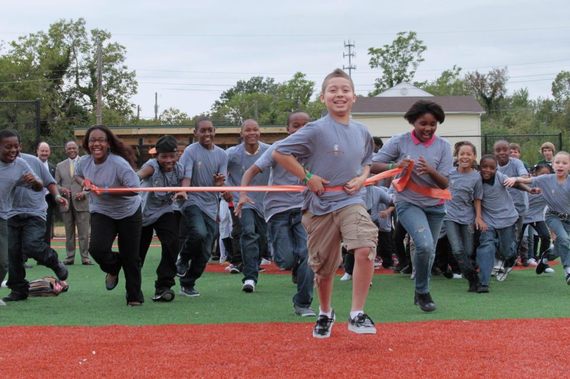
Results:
x,y
503,273
323,326
361,324
264,262
189,291
549,270
457,276
345,277
568,279
248,286
304,311
532,262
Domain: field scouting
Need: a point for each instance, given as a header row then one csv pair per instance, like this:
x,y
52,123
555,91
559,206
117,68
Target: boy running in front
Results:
x,y
337,151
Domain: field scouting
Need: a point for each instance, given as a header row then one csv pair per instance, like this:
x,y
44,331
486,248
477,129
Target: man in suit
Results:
x,y
77,214
43,152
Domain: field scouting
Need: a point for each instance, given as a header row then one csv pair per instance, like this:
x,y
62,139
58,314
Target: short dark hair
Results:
x,y
294,113
540,166
487,157
8,133
501,142
337,73
201,119
422,107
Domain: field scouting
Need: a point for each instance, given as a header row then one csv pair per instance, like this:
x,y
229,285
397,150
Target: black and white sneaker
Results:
x,y
163,295
182,267
323,326
189,291
568,279
361,324
248,286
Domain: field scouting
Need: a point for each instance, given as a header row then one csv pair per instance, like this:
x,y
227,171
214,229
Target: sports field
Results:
x,y
90,332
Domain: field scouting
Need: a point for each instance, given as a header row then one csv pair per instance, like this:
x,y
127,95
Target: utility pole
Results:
x,y
98,112
156,106
350,45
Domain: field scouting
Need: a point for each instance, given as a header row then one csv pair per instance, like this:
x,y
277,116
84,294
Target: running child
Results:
x,y
158,214
463,209
556,190
336,151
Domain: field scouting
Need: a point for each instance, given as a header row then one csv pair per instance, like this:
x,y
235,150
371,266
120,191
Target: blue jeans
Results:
x,y
289,241
423,225
27,238
200,233
460,239
505,239
562,242
253,236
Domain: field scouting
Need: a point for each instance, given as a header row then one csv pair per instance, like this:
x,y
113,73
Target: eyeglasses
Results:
x,y
100,140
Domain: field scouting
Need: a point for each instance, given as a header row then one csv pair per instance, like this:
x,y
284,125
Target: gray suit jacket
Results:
x,y
64,179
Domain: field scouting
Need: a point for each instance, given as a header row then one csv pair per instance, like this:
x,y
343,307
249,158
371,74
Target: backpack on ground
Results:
x,y
47,286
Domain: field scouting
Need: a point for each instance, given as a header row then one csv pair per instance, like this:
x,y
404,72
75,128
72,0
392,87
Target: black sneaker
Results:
x,y
111,281
189,291
323,326
482,288
182,267
14,296
425,302
361,324
568,279
541,267
61,271
163,295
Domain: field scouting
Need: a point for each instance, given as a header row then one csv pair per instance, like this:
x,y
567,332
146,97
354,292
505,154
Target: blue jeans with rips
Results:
x,y
253,236
504,238
423,224
289,241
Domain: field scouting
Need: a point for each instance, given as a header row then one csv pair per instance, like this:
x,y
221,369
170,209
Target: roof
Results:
x,y
401,104
404,89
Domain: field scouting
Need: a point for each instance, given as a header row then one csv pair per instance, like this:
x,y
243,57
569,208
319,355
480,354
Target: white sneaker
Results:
x,y
2,303
248,286
345,277
4,284
532,262
549,270
457,276
502,274
264,262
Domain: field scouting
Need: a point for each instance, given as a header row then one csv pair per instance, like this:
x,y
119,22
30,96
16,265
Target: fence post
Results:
x,y
485,143
560,147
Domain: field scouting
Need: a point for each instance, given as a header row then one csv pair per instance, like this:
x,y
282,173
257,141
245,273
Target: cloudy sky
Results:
x,y
190,51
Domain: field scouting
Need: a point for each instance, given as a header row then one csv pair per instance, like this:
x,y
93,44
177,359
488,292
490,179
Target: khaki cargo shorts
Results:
x,y
350,226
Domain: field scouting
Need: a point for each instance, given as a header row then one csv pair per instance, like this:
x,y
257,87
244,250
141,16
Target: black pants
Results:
x,y
543,234
234,256
167,231
26,238
104,230
385,248
401,251
48,234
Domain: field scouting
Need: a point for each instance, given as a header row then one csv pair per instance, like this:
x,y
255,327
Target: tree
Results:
x,y
449,83
398,61
490,89
561,89
174,116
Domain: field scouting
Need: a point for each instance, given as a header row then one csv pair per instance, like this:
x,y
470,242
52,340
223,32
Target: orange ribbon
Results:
x,y
405,182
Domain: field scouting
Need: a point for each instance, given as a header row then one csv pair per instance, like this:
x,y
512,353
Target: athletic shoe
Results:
x,y
2,303
14,296
482,288
182,267
345,277
163,295
361,324
503,273
233,269
425,302
543,267
189,291
532,262
248,286
4,284
264,262
134,303
111,281
304,311
323,326
568,279
457,276
61,271
549,270
498,266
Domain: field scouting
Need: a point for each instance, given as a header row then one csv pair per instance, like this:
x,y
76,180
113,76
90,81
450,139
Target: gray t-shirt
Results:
x,y
557,196
497,208
277,202
465,188
28,201
437,153
10,175
114,172
335,152
536,208
377,199
239,160
156,204
515,167
200,165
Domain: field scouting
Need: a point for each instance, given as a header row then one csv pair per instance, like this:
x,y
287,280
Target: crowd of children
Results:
x,y
480,209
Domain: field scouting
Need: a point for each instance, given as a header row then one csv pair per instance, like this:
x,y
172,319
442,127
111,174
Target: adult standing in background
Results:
x,y
77,214
43,152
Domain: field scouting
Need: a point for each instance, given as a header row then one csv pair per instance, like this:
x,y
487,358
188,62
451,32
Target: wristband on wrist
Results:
x,y
57,197
308,177
390,166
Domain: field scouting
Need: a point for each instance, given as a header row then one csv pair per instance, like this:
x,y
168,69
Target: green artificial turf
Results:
x,y
523,295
